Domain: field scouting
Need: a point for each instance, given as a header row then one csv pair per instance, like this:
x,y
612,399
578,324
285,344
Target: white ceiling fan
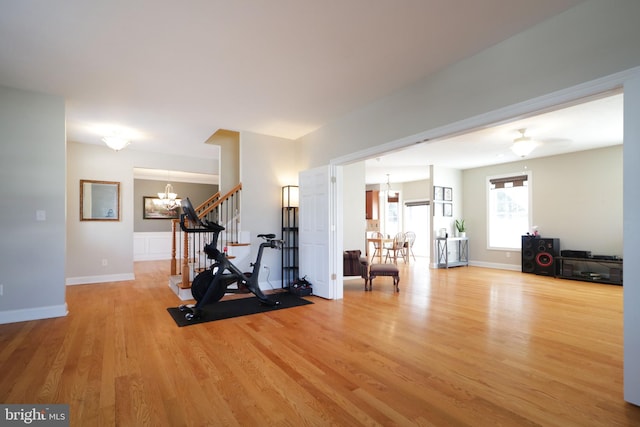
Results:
x,y
524,145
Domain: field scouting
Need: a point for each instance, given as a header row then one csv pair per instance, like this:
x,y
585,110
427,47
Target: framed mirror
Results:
x,y
99,200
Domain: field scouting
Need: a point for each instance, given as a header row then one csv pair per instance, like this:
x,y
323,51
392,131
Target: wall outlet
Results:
x,y
105,262
1,289
508,254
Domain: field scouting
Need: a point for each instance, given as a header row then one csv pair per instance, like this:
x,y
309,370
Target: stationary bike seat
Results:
x,y
267,236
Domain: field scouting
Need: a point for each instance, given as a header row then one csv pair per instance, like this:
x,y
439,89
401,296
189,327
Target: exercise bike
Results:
x,y
210,285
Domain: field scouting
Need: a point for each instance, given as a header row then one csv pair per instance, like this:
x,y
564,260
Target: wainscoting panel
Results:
x,y
151,246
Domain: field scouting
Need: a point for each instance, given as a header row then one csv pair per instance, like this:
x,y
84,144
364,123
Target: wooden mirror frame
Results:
x,y
99,200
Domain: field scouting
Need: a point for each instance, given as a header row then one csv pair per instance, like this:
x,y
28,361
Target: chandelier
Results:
x,y
168,198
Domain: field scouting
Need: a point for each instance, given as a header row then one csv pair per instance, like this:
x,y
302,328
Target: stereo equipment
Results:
x,y
575,254
539,255
607,257
615,275
567,269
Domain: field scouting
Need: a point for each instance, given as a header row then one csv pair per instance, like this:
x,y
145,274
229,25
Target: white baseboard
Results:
x,y
152,257
497,266
26,314
85,280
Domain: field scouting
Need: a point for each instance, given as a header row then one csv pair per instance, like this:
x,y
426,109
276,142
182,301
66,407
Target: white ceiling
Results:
x,y
169,74
591,124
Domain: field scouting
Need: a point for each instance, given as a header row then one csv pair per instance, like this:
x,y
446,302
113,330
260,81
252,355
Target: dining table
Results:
x,y
381,241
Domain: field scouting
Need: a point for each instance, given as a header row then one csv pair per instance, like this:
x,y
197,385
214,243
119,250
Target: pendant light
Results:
x,y
392,197
168,197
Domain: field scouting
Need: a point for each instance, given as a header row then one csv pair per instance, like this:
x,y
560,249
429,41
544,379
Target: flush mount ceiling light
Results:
x,y
523,145
116,142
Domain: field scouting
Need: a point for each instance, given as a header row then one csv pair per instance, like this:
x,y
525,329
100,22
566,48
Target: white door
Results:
x,y
318,242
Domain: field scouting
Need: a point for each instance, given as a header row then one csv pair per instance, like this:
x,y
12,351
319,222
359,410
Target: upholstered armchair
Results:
x,y
356,265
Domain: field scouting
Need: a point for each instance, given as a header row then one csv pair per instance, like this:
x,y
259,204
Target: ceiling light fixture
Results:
x,y
392,197
168,198
523,145
115,142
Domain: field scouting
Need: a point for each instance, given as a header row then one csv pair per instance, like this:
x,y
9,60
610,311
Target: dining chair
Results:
x,y
377,246
396,249
411,239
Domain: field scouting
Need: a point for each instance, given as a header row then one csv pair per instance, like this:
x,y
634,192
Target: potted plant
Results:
x,y
460,228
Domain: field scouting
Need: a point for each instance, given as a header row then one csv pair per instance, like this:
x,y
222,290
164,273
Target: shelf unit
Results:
x,y
595,270
459,244
290,257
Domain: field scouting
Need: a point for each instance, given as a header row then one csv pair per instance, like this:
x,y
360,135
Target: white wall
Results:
x,y
32,165
452,178
416,190
91,242
576,197
353,207
593,40
266,165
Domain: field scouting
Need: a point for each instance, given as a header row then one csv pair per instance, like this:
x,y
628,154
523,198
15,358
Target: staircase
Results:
x,y
187,257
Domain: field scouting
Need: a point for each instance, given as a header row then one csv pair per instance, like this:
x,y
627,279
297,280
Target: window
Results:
x,y
508,210
416,219
392,218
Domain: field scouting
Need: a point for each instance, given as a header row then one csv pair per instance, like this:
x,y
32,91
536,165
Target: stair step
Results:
x,y
175,283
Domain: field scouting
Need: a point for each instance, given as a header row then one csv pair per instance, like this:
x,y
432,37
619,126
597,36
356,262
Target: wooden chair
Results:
x,y
408,245
377,246
397,248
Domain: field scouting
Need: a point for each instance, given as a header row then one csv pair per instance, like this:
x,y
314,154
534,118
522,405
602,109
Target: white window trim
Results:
x,y
488,212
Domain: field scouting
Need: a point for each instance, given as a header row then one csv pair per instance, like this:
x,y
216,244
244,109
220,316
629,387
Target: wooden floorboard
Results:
x,y
461,347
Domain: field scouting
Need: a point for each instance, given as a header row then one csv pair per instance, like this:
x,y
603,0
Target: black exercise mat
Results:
x,y
237,307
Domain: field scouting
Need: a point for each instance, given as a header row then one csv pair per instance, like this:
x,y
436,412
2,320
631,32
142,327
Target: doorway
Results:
x,y
417,217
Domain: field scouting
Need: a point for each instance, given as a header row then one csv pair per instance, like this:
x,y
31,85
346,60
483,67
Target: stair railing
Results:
x,y
224,210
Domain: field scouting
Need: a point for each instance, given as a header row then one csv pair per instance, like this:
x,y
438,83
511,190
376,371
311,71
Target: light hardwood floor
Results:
x,y
460,347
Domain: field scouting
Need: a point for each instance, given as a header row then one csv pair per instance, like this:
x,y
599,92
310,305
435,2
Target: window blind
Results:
x,y
417,203
510,181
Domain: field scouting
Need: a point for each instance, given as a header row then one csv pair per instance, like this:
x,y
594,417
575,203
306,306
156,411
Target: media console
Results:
x,y
601,270
542,256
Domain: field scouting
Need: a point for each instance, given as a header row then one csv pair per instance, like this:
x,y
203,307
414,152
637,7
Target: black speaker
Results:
x,y
528,253
539,255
